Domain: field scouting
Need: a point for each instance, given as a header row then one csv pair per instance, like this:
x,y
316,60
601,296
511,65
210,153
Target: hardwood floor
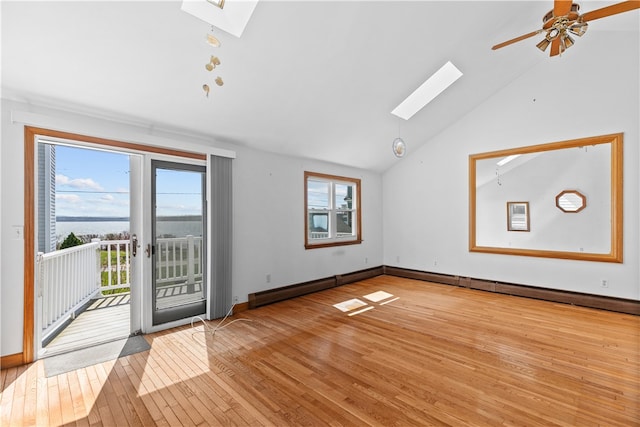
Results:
x,y
439,355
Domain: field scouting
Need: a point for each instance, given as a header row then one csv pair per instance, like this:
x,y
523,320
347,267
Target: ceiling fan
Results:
x,y
565,19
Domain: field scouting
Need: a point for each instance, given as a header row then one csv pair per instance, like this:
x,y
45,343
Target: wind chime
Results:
x,y
214,62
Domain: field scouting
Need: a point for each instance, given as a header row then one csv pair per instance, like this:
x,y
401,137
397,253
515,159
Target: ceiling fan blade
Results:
x,y
555,47
561,7
517,39
614,9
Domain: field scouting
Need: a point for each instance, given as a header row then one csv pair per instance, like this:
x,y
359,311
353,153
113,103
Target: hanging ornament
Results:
x,y
399,147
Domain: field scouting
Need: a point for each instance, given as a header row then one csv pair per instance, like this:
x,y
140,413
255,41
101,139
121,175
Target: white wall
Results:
x,y
267,201
269,216
11,208
583,93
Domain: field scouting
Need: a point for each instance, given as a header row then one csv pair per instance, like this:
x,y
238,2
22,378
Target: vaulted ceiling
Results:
x,y
310,79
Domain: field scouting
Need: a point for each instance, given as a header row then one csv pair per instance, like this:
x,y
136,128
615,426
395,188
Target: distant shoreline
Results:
x,y
123,218
91,218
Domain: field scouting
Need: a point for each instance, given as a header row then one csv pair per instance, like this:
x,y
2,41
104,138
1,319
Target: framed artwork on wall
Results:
x,y
518,216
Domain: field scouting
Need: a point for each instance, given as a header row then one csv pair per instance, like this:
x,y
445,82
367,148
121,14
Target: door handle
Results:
x,y
134,245
148,250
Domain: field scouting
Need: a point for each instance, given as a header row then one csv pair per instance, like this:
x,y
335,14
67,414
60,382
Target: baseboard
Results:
x,y
11,361
343,279
270,296
575,298
553,295
240,307
601,302
421,275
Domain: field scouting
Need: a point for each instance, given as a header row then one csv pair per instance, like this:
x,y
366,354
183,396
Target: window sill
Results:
x,y
332,244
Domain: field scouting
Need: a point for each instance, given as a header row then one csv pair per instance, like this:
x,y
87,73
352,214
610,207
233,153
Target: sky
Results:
x,y
96,183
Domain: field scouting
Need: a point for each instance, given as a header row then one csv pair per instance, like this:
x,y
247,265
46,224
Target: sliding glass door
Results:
x,y
178,240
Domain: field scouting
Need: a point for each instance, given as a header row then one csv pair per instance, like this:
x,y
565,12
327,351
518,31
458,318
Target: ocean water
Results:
x,y
102,228
81,228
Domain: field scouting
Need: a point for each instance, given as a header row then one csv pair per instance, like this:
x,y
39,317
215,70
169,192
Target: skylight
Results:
x,y
232,17
507,159
438,82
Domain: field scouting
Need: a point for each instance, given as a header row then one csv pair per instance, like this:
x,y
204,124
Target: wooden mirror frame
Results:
x,y
615,254
576,193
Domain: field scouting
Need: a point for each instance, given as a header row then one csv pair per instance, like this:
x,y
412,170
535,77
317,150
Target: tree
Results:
x,y
70,241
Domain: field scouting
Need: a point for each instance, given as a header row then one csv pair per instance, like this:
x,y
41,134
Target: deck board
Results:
x,y
106,319
178,294
439,355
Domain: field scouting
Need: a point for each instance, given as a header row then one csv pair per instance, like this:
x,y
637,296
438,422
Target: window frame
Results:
x,y
333,239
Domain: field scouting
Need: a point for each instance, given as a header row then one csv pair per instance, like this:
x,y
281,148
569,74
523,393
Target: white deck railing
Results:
x,y
69,278
319,234
115,269
179,259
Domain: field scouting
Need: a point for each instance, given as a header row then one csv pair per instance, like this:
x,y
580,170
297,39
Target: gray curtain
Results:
x,y
221,234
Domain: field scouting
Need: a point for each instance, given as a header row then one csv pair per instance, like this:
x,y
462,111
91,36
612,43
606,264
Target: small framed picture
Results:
x,y
518,216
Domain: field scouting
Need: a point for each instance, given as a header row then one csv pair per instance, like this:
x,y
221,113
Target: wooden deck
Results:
x,y
172,295
439,355
106,319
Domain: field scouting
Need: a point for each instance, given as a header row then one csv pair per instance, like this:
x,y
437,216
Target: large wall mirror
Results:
x,y
519,200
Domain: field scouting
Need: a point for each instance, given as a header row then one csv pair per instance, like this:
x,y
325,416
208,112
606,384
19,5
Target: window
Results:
x,y
332,210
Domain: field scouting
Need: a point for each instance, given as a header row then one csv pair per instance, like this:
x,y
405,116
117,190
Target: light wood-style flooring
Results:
x,y
439,355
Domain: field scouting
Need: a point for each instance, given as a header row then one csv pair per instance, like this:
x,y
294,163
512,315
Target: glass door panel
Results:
x,y
178,241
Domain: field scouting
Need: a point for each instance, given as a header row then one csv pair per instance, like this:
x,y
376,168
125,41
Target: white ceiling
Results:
x,y
310,79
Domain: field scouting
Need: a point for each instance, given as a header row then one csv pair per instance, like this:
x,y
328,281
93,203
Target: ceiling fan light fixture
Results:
x,y
568,41
544,44
579,28
565,17
553,33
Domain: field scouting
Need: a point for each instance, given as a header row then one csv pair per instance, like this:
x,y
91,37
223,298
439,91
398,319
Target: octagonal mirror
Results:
x,y
571,201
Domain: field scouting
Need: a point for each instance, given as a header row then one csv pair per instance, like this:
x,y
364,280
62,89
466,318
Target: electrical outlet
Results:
x,y
605,283
435,262
366,260
235,299
268,278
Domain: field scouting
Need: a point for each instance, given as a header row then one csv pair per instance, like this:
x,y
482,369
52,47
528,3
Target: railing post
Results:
x,y
98,263
127,261
118,266
44,312
190,265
